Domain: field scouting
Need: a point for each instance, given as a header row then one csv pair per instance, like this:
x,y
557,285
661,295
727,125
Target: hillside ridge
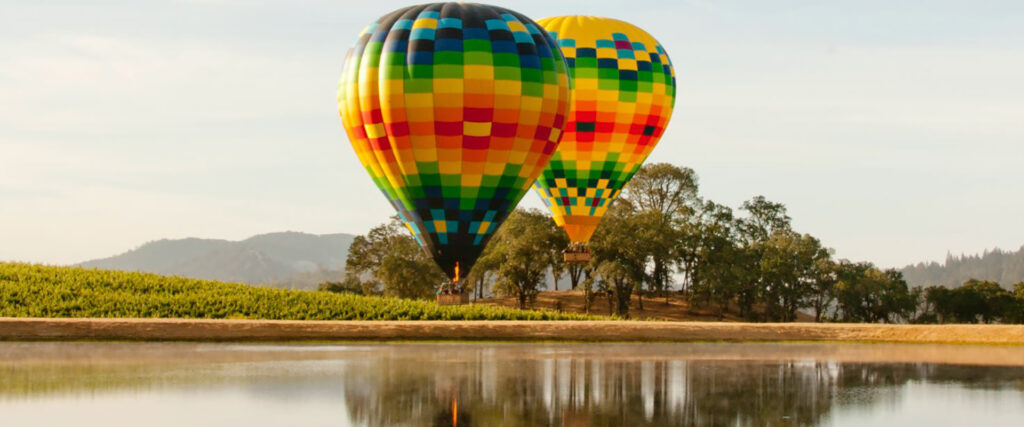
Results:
x,y
282,259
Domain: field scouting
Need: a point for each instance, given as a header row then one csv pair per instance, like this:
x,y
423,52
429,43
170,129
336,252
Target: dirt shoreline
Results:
x,y
35,329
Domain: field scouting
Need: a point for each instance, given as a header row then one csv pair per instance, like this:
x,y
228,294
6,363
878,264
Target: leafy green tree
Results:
x,y
852,292
823,276
976,301
559,241
522,250
388,257
938,301
481,274
669,194
351,284
764,218
788,272
620,250
1014,311
898,301
994,300
867,294
717,275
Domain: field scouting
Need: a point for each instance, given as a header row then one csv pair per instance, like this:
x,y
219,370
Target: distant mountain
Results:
x,y
997,265
288,259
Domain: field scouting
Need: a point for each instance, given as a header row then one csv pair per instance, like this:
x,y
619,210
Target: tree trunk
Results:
x,y
575,273
659,282
623,292
587,287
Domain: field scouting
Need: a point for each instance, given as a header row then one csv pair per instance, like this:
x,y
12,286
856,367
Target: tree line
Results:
x,y
995,265
662,238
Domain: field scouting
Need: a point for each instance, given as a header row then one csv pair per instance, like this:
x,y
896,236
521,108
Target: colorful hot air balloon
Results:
x,y
454,109
623,93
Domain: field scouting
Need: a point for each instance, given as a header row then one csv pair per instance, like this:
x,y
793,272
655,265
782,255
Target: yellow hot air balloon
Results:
x,y
623,90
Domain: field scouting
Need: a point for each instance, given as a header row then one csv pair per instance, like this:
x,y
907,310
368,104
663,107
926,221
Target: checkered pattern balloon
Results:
x,y
454,109
623,93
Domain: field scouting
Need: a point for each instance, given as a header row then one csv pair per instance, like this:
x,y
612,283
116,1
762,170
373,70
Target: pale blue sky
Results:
x,y
894,131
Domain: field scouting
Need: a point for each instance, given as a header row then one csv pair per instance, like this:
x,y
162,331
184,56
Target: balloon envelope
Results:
x,y
454,109
623,93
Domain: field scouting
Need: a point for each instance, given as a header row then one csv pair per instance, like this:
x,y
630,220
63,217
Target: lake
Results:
x,y
515,384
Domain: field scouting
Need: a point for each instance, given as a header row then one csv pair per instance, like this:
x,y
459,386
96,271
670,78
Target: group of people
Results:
x,y
450,289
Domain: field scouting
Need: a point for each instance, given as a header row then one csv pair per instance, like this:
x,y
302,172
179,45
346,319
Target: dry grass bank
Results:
x,y
283,330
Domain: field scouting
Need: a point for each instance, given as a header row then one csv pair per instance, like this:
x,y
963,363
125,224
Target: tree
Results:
x,y
559,241
852,293
824,277
522,250
788,272
669,194
717,271
994,265
867,294
620,250
1015,310
974,301
898,303
763,219
485,268
576,270
390,258
351,284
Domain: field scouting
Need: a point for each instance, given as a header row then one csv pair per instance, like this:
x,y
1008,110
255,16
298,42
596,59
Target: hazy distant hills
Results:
x,y
1005,267
287,259
301,260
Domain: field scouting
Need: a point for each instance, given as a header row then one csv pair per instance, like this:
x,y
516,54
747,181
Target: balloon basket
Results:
x,y
576,257
453,299
576,253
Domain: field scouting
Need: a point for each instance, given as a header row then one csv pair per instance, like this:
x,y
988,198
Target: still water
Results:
x,y
514,384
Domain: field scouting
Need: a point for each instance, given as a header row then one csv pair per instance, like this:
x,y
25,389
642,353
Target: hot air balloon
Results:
x,y
623,93
454,109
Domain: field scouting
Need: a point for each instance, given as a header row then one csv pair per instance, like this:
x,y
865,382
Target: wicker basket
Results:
x,y
576,256
453,299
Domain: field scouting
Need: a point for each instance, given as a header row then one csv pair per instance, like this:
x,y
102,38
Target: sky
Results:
x,y
892,130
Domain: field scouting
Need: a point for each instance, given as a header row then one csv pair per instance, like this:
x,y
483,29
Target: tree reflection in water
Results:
x,y
553,389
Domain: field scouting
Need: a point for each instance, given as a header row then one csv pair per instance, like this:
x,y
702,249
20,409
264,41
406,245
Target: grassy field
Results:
x,y
43,291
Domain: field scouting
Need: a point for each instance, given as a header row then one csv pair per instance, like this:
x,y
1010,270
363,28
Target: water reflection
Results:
x,y
518,384
558,390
